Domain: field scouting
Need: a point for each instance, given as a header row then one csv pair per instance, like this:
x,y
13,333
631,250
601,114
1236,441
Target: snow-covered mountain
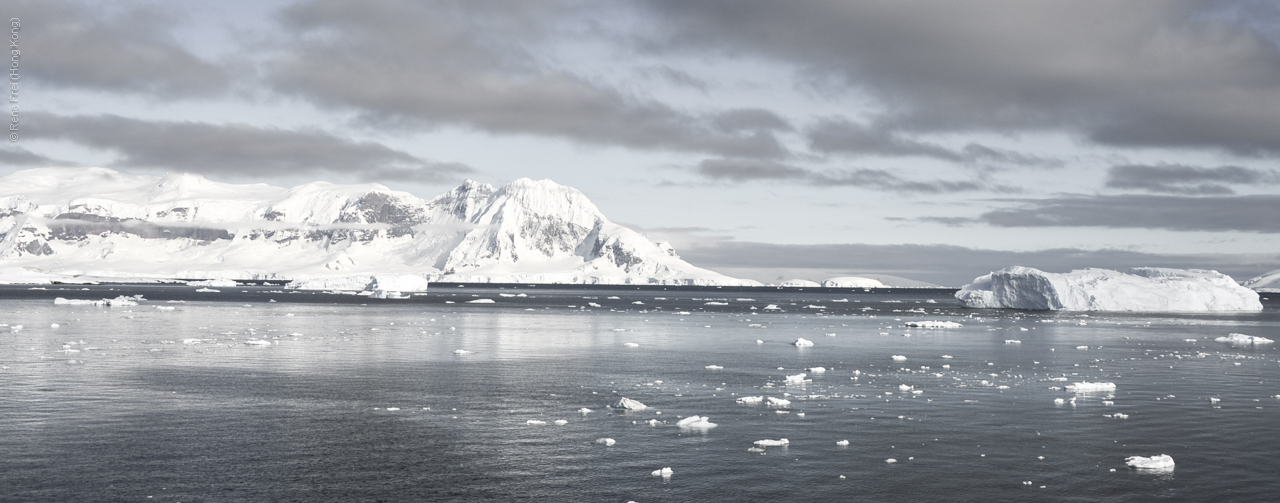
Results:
x,y
99,222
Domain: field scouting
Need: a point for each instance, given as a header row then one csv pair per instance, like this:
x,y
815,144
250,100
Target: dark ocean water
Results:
x,y
112,405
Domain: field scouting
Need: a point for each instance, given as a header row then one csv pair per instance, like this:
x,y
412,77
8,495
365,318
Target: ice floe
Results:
x,y
797,378
1148,289
696,423
779,402
772,443
803,343
751,400
1086,386
462,352
606,441
817,370
898,358
480,301
663,472
714,367
842,443
933,324
629,404
1160,462
1243,340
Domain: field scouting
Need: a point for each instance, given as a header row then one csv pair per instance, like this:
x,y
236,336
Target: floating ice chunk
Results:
x,y
1059,401
208,290
585,410
1082,348
1086,386
462,352
1243,340
1012,341
639,303
664,472
772,443
652,422
715,303
1189,340
751,400
480,301
561,422
165,308
758,341
899,358
619,330
1120,416
714,367
890,460
905,387
803,343
933,324
696,423
772,307
629,404
779,402
796,379
393,409
631,344
257,342
817,370
1214,400
842,443
947,357
1161,462
535,422
54,325
1142,289
606,441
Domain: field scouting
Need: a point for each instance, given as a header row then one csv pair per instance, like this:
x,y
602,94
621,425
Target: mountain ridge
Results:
x,y
100,222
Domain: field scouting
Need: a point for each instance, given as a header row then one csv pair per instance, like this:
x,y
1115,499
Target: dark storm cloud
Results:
x,y
1191,180
476,64
747,170
1180,73
955,265
115,48
236,148
18,156
1256,213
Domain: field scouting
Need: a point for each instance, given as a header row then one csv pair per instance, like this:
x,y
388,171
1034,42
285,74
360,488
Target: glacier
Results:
x,y
90,224
1147,289
1267,282
852,282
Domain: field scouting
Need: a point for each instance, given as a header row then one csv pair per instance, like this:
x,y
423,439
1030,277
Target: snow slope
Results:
x,y
852,282
102,223
1269,282
1142,289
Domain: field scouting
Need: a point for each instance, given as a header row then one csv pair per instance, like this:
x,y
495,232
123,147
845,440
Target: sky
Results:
x,y
932,140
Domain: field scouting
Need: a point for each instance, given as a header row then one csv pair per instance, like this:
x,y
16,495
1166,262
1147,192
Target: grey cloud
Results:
x,y
746,170
1182,179
236,148
840,135
677,77
119,48
1164,74
18,156
475,64
950,265
1255,213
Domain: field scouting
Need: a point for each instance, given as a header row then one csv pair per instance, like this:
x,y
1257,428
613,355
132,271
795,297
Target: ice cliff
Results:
x,y
99,222
1148,289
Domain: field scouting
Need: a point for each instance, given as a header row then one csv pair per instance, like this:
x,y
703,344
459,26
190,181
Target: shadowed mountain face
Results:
x,y
102,222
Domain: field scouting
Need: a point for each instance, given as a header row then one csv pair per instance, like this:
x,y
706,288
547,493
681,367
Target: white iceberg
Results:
x,y
842,443
696,423
779,402
214,282
1086,386
480,301
796,379
606,441
714,367
1243,340
1267,282
631,344
933,324
461,352
664,472
629,404
751,400
257,342
899,358
535,422
817,370
803,343
1147,289
772,443
1161,462
852,282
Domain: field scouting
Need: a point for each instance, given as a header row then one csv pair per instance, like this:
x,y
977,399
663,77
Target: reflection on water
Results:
x,y
359,400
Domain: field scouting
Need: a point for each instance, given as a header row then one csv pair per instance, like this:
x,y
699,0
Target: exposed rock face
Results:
x,y
102,222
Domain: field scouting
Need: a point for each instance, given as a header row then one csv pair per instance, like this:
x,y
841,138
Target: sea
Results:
x,y
509,393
